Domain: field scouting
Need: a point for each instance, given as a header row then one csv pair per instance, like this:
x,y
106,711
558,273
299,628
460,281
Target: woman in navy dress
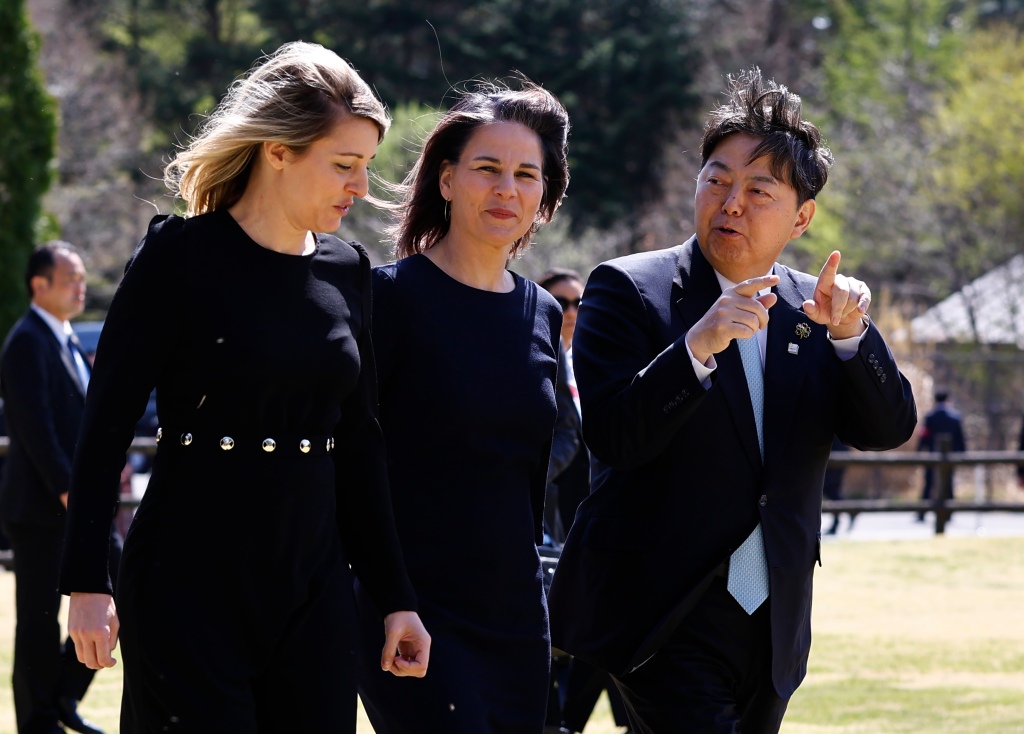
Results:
x,y
269,489
467,355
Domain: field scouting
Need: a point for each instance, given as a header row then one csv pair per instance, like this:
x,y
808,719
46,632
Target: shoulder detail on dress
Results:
x,y
166,226
343,251
165,234
543,296
358,247
388,271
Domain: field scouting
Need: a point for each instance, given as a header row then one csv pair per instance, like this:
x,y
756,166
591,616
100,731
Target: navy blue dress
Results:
x,y
467,406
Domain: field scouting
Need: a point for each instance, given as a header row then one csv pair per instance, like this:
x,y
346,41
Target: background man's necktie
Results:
x,y
77,359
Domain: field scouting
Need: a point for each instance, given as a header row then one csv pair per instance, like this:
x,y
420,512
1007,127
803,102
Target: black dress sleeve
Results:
x,y
140,330
539,477
565,443
365,516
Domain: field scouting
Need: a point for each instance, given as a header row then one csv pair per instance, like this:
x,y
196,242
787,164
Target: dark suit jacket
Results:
x,y
1020,447
43,401
678,477
942,419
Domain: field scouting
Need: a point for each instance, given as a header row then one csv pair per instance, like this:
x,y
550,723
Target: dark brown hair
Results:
x,y
421,216
763,109
554,276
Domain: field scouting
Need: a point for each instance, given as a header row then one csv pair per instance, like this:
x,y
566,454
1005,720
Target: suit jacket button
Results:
x,y
764,500
882,378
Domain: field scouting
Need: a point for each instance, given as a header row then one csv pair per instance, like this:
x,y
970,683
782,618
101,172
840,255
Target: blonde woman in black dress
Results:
x,y
234,604
467,357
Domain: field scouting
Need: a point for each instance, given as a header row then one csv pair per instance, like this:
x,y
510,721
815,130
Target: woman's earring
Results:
x,y
447,210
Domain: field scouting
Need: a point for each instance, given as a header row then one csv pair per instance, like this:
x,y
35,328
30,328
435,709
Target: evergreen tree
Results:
x,y
27,130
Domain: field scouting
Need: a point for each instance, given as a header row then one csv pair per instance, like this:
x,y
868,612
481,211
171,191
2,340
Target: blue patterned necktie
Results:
x,y
77,360
748,568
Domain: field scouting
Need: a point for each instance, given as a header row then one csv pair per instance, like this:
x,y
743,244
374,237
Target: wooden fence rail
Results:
x,y
943,462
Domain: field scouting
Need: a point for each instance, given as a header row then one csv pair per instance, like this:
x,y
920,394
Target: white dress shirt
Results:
x,y
845,348
63,331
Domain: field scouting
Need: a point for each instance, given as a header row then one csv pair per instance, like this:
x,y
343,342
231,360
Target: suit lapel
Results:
x,y
698,288
784,371
62,353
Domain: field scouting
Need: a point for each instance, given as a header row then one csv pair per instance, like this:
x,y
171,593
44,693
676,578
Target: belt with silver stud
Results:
x,y
233,443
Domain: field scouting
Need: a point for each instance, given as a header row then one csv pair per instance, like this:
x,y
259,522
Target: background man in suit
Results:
x,y
687,574
43,379
940,419
1020,447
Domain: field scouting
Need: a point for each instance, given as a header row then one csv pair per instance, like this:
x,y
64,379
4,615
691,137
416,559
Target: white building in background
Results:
x,y
988,310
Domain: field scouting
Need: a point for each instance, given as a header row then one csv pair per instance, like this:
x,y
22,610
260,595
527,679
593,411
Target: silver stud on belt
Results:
x,y
269,445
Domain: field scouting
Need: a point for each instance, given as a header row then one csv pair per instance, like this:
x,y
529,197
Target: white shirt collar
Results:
x,y
762,335
60,329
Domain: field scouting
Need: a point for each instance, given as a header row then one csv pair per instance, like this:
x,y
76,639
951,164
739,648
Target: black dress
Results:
x,y
467,404
235,596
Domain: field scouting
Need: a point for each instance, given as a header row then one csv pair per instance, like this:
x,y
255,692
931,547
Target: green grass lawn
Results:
x,y
923,637
916,636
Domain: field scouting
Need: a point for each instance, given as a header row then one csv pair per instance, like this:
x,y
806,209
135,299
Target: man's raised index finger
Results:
x,y
752,286
829,270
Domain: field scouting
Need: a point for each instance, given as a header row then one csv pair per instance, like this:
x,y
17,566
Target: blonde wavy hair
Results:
x,y
294,96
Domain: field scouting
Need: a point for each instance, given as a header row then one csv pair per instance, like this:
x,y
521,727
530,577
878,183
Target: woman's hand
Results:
x,y
93,625
406,645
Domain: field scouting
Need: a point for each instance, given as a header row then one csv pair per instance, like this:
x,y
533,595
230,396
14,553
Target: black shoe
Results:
x,y
67,711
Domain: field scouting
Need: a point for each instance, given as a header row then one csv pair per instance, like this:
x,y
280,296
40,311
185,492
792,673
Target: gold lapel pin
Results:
x,y
803,330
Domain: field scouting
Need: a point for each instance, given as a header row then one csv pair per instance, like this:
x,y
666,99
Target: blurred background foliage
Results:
x,y
922,102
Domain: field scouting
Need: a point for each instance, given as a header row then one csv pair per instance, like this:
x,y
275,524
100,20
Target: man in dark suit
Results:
x,y
712,381
1020,447
941,419
43,379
